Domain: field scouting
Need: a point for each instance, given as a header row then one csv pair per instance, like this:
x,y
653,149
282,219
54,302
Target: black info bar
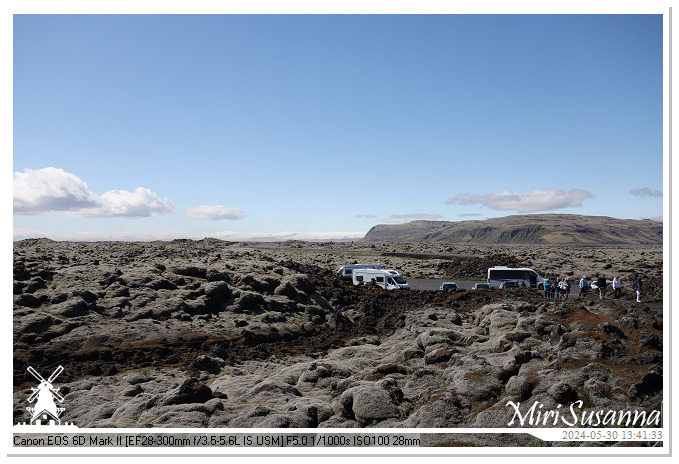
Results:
x,y
188,440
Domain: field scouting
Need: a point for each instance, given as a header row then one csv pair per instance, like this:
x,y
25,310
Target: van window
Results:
x,y
509,274
380,279
359,278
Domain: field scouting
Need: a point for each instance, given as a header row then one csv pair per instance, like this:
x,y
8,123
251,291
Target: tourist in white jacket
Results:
x,y
617,287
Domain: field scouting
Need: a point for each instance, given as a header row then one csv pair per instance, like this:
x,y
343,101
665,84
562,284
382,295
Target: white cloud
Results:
x,y
52,190
166,235
403,218
646,192
215,213
530,202
282,236
469,215
140,203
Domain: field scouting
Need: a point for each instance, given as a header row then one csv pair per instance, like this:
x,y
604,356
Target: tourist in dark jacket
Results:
x,y
339,318
637,287
601,283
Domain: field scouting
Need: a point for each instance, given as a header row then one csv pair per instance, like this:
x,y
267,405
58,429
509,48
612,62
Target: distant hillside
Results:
x,y
562,229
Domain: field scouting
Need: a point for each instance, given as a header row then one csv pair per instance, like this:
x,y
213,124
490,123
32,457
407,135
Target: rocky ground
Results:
x,y
220,334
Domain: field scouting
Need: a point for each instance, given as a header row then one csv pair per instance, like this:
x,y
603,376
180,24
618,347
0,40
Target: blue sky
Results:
x,y
322,126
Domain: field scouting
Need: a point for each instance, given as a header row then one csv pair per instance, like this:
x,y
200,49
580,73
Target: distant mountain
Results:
x,y
557,229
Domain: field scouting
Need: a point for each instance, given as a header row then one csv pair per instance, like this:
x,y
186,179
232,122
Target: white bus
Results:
x,y
388,280
499,274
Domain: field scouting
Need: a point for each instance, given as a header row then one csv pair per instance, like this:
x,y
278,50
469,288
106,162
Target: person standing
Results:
x,y
617,287
547,285
339,318
558,287
584,285
637,287
601,283
566,287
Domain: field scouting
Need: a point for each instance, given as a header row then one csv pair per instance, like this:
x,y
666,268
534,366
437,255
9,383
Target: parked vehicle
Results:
x,y
387,279
508,285
348,270
448,286
499,274
593,285
480,286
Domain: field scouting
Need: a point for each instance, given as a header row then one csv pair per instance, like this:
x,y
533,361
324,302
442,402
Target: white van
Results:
x,y
388,280
348,270
499,274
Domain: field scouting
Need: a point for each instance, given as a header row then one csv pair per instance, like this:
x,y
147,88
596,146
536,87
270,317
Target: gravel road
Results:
x,y
434,284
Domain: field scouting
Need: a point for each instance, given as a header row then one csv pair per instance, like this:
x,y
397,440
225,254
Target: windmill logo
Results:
x,y
45,411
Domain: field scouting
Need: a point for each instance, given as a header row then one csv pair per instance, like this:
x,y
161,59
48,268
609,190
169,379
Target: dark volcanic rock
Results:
x,y
217,294
72,307
190,271
217,334
563,393
206,363
27,299
651,383
191,391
